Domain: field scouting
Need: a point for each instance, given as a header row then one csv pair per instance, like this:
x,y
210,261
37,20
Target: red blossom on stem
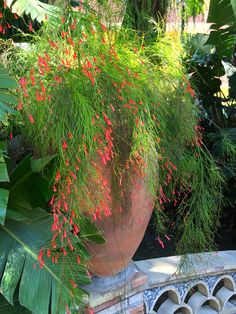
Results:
x,y
108,122
31,119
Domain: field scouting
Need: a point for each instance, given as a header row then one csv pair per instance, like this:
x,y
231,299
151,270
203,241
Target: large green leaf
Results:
x,y
7,308
3,169
197,43
6,97
89,232
37,165
223,39
4,109
27,188
41,290
230,71
221,12
6,83
36,9
3,205
3,192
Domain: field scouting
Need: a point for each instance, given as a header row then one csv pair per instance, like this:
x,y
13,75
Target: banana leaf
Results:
x,y
6,98
3,192
36,9
7,308
41,290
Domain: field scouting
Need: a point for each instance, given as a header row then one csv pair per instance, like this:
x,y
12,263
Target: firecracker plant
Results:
x,y
97,101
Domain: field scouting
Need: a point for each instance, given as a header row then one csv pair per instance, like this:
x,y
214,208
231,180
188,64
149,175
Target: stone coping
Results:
x,y
180,268
142,275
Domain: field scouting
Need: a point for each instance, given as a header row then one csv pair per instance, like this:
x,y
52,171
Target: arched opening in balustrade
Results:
x,y
182,310
210,305
225,281
230,304
168,294
160,300
198,287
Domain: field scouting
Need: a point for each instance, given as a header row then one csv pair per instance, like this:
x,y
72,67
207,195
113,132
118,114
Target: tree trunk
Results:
x,y
139,12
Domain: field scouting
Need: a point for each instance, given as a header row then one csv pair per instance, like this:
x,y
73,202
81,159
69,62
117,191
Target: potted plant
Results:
x,y
107,109
85,101
97,102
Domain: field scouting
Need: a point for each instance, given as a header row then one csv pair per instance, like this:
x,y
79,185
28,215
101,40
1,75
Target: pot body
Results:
x,y
123,230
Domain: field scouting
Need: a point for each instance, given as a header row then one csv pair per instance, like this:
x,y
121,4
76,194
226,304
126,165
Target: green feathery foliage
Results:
x,y
93,98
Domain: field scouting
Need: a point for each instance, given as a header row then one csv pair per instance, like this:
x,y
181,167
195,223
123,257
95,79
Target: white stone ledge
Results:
x,y
161,271
191,284
194,284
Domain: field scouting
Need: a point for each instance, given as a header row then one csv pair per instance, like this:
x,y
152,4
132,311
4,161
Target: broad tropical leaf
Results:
x,y
27,188
3,192
37,165
89,232
222,12
36,9
6,83
7,308
230,71
3,205
20,244
3,169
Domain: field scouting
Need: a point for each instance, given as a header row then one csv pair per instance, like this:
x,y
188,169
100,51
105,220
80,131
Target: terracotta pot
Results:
x,y
123,231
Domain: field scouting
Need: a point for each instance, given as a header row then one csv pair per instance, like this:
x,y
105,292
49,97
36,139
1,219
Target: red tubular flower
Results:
x,y
30,27
65,206
52,44
64,251
64,145
48,253
73,26
84,35
89,75
70,244
58,176
31,119
20,106
67,310
88,64
78,259
73,283
22,82
161,242
76,229
40,259
39,96
85,150
103,27
108,122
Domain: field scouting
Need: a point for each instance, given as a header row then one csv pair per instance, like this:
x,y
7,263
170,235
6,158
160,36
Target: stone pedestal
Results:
x,y
122,293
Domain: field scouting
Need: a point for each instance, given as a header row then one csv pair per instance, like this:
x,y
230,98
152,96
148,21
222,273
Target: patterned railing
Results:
x,y
197,284
207,286
210,294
